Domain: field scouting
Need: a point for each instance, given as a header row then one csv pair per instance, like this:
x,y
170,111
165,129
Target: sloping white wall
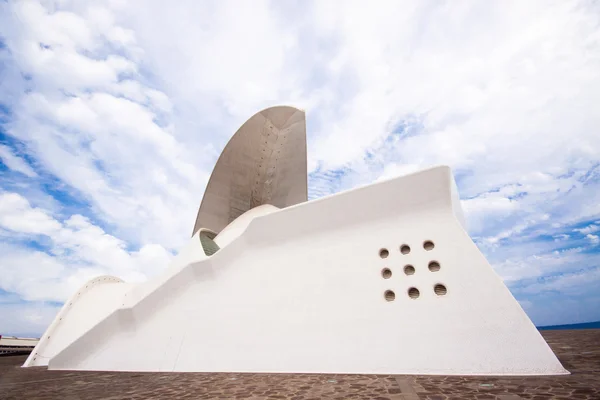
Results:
x,y
240,224
301,290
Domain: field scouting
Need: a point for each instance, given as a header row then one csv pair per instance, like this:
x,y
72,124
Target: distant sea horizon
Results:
x,y
584,325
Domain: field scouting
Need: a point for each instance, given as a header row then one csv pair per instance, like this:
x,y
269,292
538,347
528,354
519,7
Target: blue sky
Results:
x,y
112,115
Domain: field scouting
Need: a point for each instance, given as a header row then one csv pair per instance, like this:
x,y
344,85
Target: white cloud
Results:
x,y
28,320
94,122
394,170
588,229
15,163
17,215
593,238
515,266
570,283
77,251
488,209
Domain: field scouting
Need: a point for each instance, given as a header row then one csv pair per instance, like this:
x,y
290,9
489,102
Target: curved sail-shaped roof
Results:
x,y
263,163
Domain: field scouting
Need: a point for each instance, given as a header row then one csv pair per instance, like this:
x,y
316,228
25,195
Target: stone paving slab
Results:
x,y
579,351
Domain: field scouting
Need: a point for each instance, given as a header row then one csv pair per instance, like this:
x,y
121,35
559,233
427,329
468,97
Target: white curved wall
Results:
x,y
301,290
263,163
96,299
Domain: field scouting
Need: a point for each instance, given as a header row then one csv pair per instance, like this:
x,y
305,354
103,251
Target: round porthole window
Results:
x,y
440,289
428,245
386,273
434,266
413,293
389,295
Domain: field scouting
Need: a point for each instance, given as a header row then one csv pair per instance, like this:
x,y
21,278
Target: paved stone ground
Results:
x,y
579,351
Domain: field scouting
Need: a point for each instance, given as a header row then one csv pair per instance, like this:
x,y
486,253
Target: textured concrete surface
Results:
x,y
263,163
579,351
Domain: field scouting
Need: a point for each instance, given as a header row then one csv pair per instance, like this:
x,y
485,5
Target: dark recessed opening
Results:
x,y
389,295
384,253
386,273
428,245
405,249
434,266
413,293
409,270
440,289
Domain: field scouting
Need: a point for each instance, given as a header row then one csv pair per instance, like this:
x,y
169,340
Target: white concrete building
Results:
x,y
379,279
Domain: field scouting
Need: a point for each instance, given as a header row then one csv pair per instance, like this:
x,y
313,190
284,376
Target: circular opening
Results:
x,y
428,245
409,270
405,249
384,253
434,266
440,289
389,295
413,293
386,273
